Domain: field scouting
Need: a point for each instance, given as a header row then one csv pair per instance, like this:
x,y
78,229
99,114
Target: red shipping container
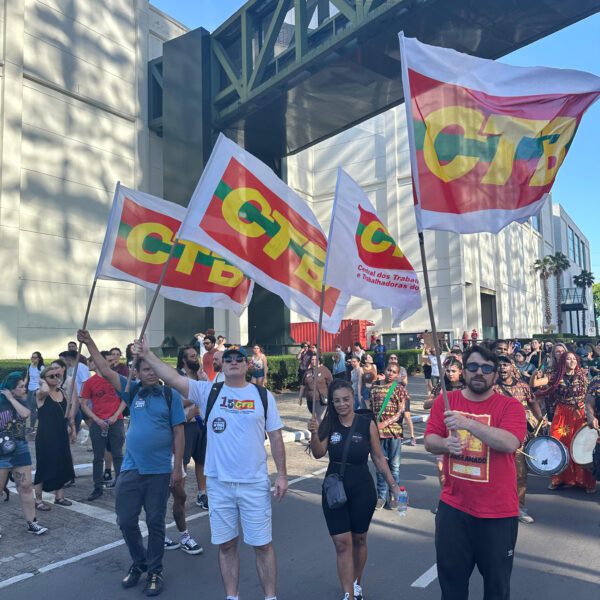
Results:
x,y
351,331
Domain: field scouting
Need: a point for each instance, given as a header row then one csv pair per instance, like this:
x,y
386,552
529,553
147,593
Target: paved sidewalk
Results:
x,y
86,525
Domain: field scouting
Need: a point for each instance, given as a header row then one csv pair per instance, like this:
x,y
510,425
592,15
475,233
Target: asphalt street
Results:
x,y
82,556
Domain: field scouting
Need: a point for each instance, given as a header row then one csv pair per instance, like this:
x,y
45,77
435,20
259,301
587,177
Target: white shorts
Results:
x,y
230,502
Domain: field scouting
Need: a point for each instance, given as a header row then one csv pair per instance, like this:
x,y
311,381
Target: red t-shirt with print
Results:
x,y
481,481
103,396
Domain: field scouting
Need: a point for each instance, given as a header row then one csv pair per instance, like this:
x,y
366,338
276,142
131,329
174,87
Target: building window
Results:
x,y
571,245
579,244
583,263
536,223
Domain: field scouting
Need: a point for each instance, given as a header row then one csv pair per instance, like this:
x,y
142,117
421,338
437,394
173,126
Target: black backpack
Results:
x,y
136,388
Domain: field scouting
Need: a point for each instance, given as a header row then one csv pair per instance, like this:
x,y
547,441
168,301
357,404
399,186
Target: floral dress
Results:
x,y
569,418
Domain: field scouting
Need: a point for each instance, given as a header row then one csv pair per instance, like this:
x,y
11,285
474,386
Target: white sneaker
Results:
x,y
358,594
524,516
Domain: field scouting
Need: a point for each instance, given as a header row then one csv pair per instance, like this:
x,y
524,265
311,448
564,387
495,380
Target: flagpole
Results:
x,y
320,323
85,320
436,343
153,302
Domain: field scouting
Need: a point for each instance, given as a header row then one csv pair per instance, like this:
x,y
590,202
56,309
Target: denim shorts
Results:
x,y
19,458
231,502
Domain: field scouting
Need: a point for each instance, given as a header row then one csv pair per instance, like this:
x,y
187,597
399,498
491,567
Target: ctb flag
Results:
x,y
141,230
363,258
486,139
243,211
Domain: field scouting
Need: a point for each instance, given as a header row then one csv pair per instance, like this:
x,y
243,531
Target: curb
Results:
x,y
299,435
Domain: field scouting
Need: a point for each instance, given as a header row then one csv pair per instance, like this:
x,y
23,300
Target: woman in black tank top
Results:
x,y
348,525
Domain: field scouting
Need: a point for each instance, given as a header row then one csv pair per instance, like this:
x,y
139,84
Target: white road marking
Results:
x,y
15,579
99,513
425,579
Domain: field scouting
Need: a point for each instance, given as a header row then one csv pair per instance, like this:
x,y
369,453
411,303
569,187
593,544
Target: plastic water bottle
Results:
x,y
104,432
402,502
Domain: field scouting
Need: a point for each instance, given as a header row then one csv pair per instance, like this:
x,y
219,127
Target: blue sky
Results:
x,y
577,185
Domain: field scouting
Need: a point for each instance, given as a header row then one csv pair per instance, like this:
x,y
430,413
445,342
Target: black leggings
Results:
x,y
463,541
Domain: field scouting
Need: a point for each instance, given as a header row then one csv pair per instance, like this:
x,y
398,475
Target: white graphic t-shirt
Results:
x,y
235,449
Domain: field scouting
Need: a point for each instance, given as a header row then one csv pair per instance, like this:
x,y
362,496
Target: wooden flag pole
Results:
x,y
85,320
316,369
436,343
153,302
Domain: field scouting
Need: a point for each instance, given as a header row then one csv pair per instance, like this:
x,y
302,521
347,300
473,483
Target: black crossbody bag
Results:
x,y
333,484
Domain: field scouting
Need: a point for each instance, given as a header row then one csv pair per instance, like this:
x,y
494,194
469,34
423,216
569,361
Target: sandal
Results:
x,y
41,505
590,490
555,486
63,502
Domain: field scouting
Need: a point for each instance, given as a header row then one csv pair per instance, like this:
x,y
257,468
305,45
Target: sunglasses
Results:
x,y
55,376
485,369
237,359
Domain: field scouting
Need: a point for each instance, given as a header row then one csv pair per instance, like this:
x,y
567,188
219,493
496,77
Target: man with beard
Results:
x,y
509,385
218,366
477,516
188,364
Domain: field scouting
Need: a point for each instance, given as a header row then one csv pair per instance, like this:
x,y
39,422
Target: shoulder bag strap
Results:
x,y
212,398
387,399
347,446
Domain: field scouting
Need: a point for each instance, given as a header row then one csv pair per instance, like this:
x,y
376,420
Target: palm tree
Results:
x,y
584,280
559,264
543,266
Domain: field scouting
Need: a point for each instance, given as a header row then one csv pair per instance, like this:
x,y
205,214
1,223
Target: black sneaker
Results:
x,y
171,544
191,547
35,528
133,576
154,584
109,485
202,501
107,475
96,493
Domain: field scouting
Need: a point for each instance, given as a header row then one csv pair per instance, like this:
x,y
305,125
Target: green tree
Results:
x,y
584,280
559,264
543,267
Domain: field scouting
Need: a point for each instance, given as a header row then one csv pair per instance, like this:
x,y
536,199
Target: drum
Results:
x,y
582,446
547,456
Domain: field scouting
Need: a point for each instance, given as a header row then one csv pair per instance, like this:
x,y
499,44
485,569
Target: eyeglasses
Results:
x,y
54,376
473,367
237,359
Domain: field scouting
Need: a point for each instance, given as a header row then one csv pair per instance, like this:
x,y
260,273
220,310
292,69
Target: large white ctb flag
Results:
x,y
363,259
244,212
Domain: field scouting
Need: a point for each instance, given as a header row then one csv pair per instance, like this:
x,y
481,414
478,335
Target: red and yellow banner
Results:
x,y
243,211
487,139
139,238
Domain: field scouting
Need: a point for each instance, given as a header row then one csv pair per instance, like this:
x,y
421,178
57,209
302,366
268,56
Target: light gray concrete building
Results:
x,y
73,110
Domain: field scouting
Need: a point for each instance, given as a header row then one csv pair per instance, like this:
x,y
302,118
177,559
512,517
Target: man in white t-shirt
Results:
x,y
237,480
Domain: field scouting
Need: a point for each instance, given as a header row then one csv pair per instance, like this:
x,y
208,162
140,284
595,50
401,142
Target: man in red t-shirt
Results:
x,y
210,345
476,522
100,403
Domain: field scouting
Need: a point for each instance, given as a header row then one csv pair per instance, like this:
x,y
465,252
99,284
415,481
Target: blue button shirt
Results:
x,y
149,444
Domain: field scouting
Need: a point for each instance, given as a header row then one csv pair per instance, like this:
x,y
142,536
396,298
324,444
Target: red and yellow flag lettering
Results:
x,y
140,235
487,139
243,211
